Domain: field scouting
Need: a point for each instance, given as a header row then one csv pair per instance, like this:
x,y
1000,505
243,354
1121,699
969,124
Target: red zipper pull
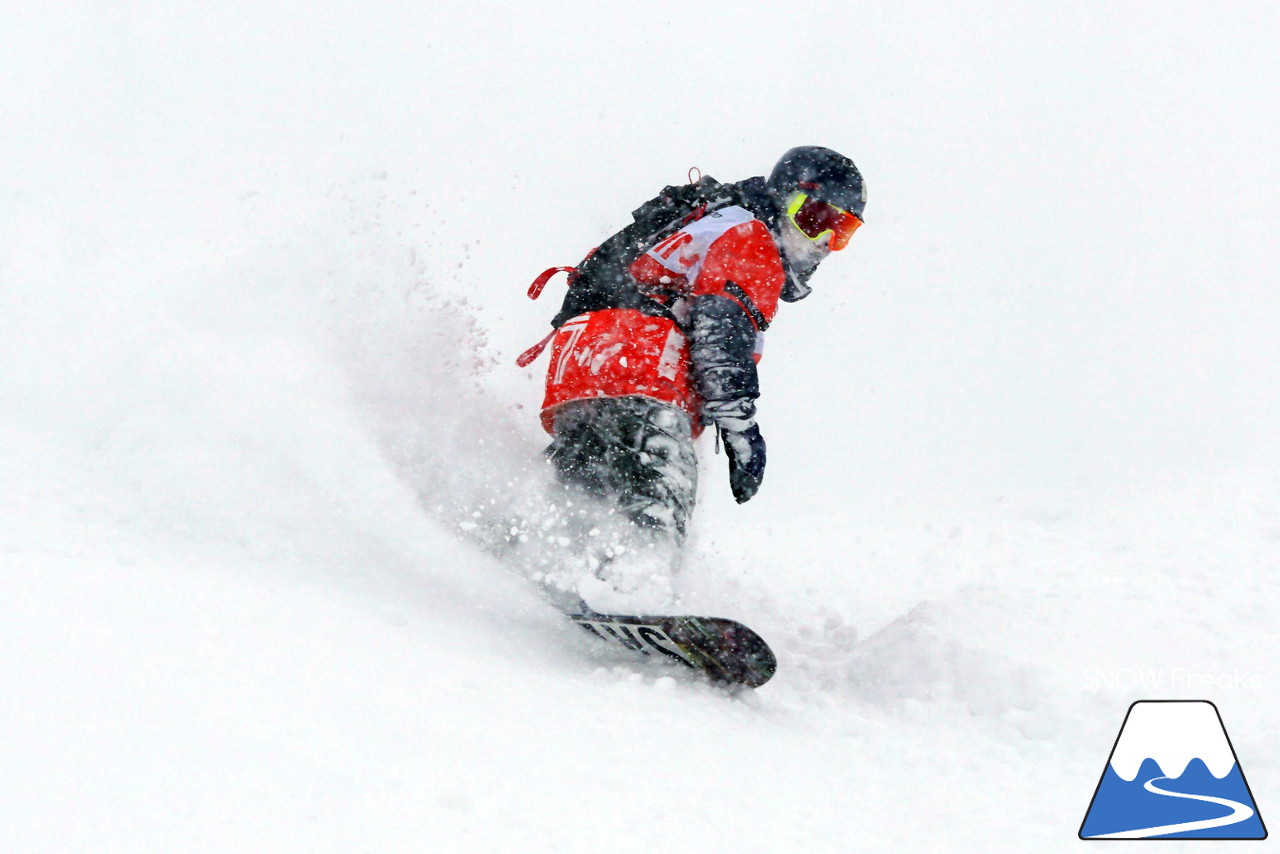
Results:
x,y
526,358
535,289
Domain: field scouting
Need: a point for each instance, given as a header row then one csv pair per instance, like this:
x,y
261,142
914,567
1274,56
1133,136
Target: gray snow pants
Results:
x,y
634,453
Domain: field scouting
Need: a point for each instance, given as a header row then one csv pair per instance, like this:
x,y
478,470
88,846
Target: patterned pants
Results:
x,y
633,453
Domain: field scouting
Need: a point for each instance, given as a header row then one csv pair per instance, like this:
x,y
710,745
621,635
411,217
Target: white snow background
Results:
x,y
262,273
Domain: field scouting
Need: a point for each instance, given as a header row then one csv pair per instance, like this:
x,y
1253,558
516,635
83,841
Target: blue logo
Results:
x,y
1173,774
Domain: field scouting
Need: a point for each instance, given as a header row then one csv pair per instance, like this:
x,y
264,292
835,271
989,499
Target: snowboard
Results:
x,y
724,650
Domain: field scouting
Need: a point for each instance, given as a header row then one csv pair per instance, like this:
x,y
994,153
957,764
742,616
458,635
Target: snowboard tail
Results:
x,y
725,650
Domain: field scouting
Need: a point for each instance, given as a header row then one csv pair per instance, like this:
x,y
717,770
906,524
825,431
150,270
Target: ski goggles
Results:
x,y
815,218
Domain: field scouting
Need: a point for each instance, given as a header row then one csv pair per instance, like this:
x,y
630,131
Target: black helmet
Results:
x,y
822,174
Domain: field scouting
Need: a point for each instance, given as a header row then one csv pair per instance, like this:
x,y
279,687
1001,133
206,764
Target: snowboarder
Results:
x,y
662,328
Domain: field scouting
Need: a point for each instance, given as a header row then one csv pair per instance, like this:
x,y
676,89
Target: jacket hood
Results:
x,y
755,195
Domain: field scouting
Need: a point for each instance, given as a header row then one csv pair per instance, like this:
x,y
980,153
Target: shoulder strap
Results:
x,y
734,290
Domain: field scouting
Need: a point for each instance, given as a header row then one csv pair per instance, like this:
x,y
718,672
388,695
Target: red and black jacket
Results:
x,y
682,321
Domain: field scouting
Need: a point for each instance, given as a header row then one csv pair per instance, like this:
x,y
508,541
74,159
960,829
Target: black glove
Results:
x,y
745,450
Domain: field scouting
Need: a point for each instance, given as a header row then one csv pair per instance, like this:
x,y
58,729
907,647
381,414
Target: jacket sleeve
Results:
x,y
734,297
721,346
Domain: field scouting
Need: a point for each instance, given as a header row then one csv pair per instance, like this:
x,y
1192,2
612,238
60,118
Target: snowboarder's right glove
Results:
x,y
745,450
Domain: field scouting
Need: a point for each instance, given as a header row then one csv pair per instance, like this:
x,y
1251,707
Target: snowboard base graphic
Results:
x,y
724,650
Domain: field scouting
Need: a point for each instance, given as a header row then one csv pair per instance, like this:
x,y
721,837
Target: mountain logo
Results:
x,y
1173,774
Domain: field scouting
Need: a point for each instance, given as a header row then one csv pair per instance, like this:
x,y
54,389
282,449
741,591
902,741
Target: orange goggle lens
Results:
x,y
815,218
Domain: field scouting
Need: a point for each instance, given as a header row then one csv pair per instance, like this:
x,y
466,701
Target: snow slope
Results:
x,y
260,295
